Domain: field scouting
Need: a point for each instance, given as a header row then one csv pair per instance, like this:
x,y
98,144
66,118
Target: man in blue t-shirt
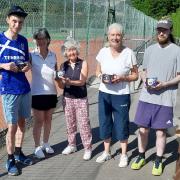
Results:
x,y
14,88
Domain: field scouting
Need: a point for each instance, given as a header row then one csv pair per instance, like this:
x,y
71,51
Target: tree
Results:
x,y
156,8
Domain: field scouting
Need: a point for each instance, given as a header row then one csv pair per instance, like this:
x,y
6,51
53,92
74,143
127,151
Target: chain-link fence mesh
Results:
x,y
85,19
138,27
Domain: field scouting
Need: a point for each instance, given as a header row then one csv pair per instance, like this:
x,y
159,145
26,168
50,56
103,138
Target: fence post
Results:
x,y
64,13
73,19
88,27
44,13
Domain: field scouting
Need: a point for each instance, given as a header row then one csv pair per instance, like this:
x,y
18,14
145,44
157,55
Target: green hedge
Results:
x,y
176,23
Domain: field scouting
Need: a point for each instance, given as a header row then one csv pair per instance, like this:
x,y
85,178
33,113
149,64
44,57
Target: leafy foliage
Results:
x,y
156,8
176,22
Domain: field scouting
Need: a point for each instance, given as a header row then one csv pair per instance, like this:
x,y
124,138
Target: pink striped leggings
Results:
x,y
77,111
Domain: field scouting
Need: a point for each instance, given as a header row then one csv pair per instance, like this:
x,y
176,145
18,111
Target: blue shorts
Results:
x,y
114,116
153,116
16,106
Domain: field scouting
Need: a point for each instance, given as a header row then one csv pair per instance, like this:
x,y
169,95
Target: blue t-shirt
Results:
x,y
13,51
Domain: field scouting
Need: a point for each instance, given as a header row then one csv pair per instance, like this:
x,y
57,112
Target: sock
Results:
x,y
142,155
17,151
158,158
10,156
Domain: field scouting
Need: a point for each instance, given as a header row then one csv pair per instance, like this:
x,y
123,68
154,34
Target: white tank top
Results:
x,y
43,74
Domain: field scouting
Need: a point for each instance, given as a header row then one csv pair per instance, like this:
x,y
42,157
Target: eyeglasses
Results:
x,y
162,30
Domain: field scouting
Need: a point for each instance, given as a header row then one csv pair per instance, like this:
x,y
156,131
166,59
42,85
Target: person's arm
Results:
x,y
143,75
60,81
167,84
133,76
28,58
27,67
98,70
83,76
56,67
11,66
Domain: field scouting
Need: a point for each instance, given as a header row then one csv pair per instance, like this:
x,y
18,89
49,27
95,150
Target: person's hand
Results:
x,y
26,68
10,67
106,78
117,78
160,85
60,79
64,80
67,81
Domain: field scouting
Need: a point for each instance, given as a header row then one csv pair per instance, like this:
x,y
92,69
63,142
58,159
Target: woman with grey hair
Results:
x,y
44,93
116,67
75,100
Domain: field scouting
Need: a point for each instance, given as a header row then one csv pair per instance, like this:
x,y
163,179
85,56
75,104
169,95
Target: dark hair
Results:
x,y
171,38
17,10
42,32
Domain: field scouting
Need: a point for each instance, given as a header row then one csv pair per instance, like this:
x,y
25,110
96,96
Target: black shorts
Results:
x,y
44,102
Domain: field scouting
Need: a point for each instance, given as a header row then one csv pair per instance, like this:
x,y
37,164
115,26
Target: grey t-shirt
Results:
x,y
163,63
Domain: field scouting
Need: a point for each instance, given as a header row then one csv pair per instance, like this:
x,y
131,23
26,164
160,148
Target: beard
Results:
x,y
163,41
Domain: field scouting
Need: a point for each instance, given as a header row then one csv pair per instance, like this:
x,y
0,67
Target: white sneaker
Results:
x,y
123,162
69,149
103,157
87,155
39,153
47,148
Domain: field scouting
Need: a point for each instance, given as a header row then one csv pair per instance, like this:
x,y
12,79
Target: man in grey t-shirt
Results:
x,y
161,75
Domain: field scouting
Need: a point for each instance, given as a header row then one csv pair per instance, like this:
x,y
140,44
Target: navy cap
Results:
x,y
17,10
166,24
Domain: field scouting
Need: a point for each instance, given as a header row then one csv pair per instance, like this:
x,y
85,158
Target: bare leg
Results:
x,y
107,145
142,139
160,142
10,138
124,146
20,132
38,123
47,124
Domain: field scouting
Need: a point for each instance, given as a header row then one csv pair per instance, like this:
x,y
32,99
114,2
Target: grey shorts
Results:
x,y
153,116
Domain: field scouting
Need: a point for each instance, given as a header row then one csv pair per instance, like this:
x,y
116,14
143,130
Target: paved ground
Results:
x,y
73,167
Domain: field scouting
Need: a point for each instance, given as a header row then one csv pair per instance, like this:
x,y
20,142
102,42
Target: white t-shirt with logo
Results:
x,y
120,65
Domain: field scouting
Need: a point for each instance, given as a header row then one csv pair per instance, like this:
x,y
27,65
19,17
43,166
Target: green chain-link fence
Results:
x,y
85,19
